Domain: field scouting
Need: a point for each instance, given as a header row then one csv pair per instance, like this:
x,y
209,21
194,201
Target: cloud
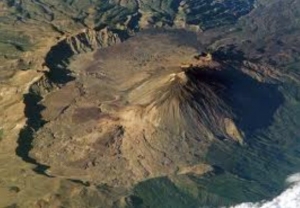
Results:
x,y
290,198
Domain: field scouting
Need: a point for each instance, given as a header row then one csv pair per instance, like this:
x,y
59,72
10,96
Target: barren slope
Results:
x,y
232,133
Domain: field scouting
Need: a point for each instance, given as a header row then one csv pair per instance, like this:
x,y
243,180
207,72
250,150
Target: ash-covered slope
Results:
x,y
147,107
187,101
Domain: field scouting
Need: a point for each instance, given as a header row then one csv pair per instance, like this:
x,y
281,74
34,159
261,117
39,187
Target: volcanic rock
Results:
x,y
148,107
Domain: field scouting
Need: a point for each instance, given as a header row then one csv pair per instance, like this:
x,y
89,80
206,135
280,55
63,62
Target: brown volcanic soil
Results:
x,y
133,113
268,34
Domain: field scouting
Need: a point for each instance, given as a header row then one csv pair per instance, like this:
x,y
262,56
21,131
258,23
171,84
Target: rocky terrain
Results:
x,y
102,108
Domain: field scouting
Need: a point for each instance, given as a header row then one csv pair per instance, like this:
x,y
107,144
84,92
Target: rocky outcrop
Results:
x,y
90,40
85,41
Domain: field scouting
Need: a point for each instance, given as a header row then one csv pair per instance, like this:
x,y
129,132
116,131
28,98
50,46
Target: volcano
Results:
x,y
149,107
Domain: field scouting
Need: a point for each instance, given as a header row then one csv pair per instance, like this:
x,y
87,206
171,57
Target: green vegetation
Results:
x,y
217,189
12,44
162,193
1,134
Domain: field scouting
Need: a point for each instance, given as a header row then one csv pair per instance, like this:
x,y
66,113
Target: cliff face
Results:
x,y
85,41
90,40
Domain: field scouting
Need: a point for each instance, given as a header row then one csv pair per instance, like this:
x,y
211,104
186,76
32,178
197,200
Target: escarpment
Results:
x,y
89,40
56,75
85,41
